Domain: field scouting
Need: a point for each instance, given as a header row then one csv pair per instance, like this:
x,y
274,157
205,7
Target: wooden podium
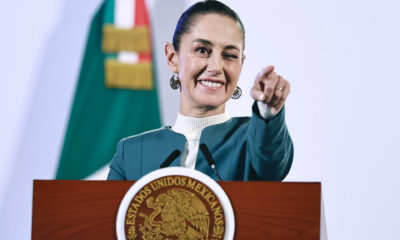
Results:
x,y
72,209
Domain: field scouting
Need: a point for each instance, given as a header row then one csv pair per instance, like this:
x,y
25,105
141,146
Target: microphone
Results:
x,y
210,159
170,158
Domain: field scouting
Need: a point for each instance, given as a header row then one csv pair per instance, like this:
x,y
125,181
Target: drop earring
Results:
x,y
174,81
237,93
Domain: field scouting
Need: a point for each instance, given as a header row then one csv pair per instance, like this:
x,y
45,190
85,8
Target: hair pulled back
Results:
x,y
187,18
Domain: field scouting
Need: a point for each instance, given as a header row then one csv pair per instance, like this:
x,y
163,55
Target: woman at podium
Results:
x,y
206,58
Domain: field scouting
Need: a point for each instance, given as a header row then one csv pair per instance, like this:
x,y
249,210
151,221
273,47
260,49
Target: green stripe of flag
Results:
x,y
100,116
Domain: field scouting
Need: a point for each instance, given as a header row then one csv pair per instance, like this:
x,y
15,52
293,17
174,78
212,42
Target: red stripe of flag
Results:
x,y
142,19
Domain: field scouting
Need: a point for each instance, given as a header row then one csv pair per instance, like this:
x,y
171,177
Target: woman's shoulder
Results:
x,y
238,121
159,133
241,119
233,124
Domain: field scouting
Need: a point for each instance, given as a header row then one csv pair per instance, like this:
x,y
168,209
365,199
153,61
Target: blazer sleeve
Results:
x,y
270,147
117,164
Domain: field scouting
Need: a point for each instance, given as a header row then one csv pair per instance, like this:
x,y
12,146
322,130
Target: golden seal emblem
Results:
x,y
174,207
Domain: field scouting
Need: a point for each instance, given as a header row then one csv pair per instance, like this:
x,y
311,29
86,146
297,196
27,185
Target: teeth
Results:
x,y
211,84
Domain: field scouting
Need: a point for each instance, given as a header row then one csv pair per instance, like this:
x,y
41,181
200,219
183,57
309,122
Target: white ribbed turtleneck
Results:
x,y
191,128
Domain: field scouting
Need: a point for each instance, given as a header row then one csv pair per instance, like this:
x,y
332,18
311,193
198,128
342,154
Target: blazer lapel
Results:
x,y
159,147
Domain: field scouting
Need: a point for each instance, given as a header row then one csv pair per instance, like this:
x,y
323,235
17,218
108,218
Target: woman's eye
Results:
x,y
202,50
230,55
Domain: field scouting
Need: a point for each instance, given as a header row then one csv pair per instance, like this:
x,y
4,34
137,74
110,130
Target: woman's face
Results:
x,y
209,63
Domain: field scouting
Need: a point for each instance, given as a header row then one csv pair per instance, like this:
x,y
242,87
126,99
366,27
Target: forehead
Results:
x,y
218,29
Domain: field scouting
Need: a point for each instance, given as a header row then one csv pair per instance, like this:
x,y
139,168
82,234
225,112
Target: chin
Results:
x,y
212,101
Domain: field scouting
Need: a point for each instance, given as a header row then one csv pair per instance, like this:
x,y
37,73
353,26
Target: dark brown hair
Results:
x,y
203,8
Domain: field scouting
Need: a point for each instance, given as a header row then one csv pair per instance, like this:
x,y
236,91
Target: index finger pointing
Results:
x,y
264,72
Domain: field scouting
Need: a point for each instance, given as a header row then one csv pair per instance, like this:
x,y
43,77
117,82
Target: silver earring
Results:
x,y
237,93
174,81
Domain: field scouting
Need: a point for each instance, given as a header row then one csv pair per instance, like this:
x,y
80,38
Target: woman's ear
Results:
x,y
172,57
243,58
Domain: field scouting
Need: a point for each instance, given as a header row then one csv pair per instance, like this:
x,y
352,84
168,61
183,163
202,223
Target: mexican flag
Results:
x,y
116,92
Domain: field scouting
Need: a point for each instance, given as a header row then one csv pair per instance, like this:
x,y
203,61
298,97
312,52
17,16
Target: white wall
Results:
x,y
341,57
42,43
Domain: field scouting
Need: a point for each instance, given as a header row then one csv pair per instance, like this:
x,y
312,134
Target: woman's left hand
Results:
x,y
270,88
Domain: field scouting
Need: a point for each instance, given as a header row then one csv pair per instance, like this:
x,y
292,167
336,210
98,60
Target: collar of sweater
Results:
x,y
192,127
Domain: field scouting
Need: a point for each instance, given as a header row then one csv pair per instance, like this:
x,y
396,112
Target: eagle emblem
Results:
x,y
177,214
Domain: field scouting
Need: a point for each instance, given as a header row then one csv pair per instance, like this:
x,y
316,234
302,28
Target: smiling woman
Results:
x,y
208,64
206,59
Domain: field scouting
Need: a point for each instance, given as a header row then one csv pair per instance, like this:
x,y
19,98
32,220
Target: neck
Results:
x,y
192,127
200,111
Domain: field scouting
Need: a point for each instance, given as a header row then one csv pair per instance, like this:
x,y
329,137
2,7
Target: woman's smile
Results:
x,y
211,84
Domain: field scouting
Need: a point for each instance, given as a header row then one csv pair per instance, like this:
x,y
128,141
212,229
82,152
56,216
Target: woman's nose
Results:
x,y
215,65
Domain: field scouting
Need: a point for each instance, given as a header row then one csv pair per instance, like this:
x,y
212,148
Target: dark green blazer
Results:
x,y
244,148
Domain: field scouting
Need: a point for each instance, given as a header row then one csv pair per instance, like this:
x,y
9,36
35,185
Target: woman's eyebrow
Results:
x,y
206,42
231,47
203,41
